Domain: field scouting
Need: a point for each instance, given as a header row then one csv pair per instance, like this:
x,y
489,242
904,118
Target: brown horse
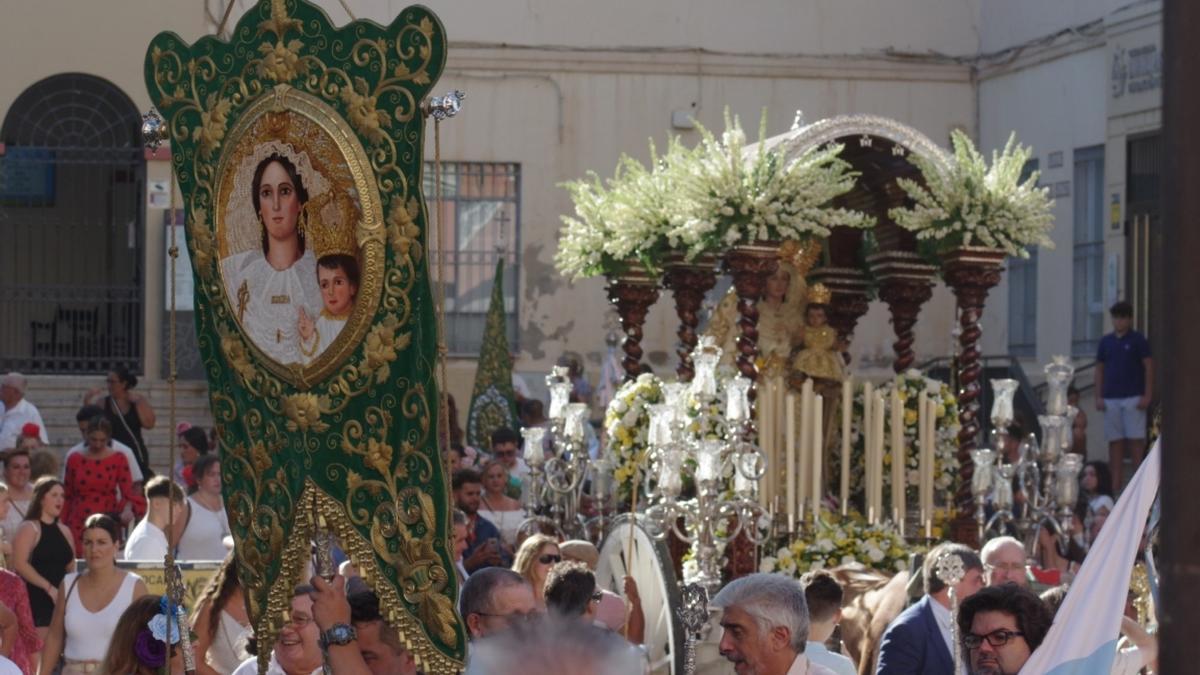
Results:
x,y
870,602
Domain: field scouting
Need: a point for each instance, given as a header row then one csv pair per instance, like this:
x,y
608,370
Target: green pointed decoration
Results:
x,y
298,150
493,402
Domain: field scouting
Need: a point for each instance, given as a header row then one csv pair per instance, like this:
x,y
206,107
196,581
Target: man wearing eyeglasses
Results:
x,y
1004,562
1000,627
494,600
297,649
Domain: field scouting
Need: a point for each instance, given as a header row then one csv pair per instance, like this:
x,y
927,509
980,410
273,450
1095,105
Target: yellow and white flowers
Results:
x,y
626,423
973,204
945,472
878,547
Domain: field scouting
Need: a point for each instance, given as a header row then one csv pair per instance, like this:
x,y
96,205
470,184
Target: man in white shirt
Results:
x,y
16,412
824,595
149,539
297,649
765,618
85,415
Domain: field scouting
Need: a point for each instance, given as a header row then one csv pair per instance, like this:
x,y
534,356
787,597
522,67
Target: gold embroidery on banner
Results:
x,y
276,299
287,433
243,297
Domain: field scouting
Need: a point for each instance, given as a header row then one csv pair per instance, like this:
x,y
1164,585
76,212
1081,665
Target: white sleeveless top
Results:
x,y
87,634
507,522
228,648
203,537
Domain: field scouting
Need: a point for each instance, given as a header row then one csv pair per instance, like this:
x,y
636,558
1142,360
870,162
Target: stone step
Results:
x,y
59,397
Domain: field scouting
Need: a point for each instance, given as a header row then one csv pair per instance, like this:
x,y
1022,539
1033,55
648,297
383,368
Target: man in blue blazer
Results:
x,y
918,641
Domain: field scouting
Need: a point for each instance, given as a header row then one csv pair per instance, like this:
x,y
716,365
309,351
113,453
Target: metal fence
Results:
x,y
481,208
72,185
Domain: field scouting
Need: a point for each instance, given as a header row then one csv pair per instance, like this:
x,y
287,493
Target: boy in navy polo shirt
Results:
x,y
1124,378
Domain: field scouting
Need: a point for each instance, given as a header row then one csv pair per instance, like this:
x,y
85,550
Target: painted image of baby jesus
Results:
x,y
338,277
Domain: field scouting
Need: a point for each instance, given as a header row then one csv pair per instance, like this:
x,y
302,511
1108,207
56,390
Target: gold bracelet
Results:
x,y
316,342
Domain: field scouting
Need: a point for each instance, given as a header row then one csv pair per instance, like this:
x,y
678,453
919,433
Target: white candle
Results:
x,y
879,410
818,455
789,413
769,449
922,447
930,460
804,456
869,451
899,457
847,412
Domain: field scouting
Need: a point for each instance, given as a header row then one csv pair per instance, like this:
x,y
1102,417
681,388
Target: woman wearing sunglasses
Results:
x,y
534,559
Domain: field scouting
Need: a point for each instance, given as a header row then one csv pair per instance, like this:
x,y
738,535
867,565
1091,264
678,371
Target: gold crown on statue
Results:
x,y
337,237
801,256
819,294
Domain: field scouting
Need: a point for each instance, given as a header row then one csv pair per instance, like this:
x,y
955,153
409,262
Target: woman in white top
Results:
x,y
221,645
90,604
207,525
503,511
20,492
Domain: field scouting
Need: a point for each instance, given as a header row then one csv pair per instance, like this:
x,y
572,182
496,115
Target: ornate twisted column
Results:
x,y
750,266
633,293
848,287
689,282
971,272
905,284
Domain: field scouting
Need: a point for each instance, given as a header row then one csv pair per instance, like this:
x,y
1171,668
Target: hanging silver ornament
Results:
x,y
154,130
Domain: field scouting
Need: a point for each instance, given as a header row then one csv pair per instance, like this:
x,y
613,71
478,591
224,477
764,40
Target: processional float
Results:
x,y
298,148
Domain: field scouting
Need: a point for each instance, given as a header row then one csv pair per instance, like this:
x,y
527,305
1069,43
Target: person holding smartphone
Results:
x,y
484,545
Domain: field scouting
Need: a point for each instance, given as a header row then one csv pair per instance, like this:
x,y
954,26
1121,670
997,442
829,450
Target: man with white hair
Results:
x,y
1004,562
765,618
16,412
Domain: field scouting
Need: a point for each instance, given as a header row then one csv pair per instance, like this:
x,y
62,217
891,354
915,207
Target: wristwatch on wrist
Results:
x,y
339,635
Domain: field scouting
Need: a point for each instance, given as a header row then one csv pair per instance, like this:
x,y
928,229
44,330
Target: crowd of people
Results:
x,y
530,602
72,511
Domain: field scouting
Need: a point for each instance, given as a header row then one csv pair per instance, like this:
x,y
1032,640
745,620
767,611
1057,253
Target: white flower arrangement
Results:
x,y
732,199
581,240
879,547
946,427
627,219
626,425
974,204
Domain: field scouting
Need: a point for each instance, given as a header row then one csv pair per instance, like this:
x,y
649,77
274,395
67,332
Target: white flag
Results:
x,y
1083,639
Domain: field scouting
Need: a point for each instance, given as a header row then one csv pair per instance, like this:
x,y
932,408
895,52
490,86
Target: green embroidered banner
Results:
x,y
492,401
298,150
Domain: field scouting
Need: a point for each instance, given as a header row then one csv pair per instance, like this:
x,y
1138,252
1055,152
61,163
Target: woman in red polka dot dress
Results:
x,y
99,481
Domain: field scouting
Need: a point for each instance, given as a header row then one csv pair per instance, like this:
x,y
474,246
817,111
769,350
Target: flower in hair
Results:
x,y
149,650
164,620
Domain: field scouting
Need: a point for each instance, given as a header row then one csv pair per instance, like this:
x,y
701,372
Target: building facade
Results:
x,y
557,89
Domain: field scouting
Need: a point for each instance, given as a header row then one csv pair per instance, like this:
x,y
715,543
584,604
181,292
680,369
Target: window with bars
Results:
x,y
1087,320
1022,294
481,212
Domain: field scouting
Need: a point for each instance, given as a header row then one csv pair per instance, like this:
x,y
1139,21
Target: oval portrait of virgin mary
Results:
x,y
291,211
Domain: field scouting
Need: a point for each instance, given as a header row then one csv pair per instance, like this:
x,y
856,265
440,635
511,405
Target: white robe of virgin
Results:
x,y
270,314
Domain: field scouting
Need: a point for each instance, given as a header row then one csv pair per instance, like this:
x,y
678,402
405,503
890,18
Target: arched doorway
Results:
x,y
72,175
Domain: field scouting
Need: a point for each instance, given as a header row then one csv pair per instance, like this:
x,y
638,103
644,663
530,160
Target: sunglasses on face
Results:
x,y
996,638
549,559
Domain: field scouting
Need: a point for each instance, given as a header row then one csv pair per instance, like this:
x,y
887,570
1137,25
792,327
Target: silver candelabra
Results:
x,y
704,430
1046,473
